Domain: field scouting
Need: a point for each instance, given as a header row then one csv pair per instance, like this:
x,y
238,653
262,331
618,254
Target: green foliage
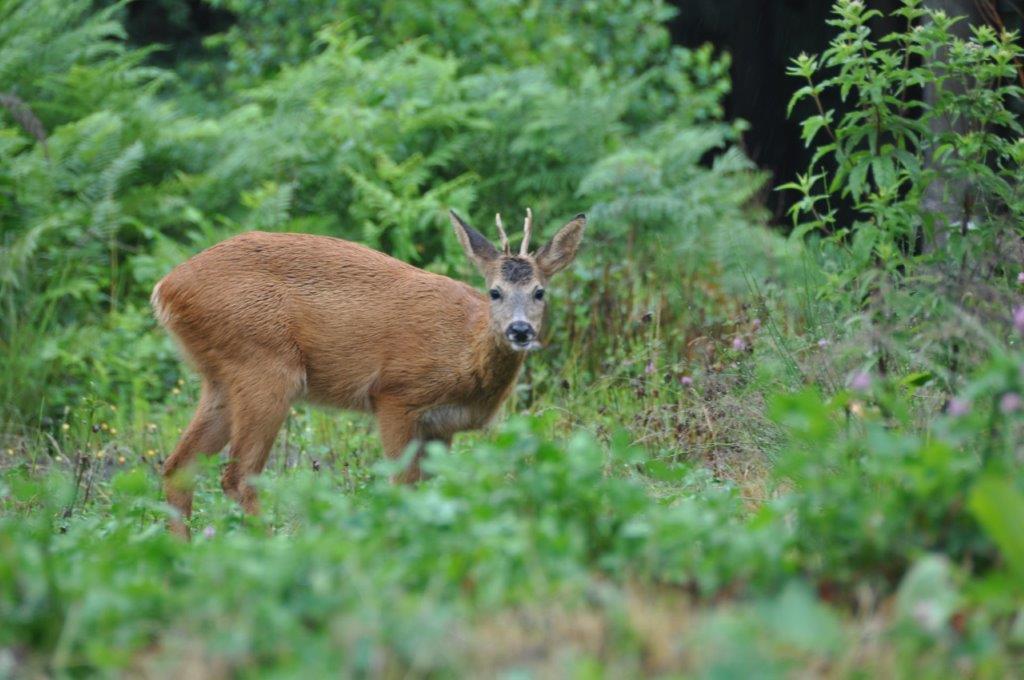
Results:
x,y
930,181
374,576
862,469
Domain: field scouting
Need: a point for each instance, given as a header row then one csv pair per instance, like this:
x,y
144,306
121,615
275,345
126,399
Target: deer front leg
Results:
x,y
398,429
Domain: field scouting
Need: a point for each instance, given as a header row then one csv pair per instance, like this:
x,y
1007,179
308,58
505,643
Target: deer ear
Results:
x,y
478,249
560,251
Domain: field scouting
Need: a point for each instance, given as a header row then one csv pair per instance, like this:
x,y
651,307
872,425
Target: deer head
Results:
x,y
516,283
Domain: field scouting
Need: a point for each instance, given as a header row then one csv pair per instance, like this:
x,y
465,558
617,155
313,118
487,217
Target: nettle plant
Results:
x,y
927,151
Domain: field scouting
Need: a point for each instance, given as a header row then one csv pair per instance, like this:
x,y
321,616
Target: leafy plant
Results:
x,y
891,152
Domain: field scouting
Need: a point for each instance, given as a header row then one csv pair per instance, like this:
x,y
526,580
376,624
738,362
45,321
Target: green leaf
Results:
x,y
998,505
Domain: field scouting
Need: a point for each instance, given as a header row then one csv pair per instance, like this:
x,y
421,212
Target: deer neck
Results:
x,y
496,365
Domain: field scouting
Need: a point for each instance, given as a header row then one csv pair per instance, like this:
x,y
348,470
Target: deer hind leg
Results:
x,y
207,433
260,400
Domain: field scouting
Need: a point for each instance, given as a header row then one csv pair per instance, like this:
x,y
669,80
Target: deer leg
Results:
x,y
259,405
398,429
207,433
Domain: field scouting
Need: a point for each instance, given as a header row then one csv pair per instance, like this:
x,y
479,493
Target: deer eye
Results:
x,y
495,294
538,294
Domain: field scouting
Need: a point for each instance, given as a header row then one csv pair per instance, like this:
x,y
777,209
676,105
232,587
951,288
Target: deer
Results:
x,y
269,319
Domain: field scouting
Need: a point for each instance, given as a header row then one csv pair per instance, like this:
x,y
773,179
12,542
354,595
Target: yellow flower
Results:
x,y
175,391
120,460
113,430
150,453
152,427
104,426
65,427
100,454
10,452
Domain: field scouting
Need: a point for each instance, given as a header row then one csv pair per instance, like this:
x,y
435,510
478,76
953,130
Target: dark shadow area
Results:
x,y
763,36
178,25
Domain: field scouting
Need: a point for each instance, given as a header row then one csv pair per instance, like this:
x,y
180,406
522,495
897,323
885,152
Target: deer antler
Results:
x,y
527,228
501,231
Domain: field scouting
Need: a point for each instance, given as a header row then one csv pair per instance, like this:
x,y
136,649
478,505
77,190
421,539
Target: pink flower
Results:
x,y
739,344
686,381
1020,278
958,407
861,382
823,343
1018,320
209,532
649,368
1010,403
757,324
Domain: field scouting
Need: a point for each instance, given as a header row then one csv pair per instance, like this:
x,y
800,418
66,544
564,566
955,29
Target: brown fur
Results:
x,y
268,319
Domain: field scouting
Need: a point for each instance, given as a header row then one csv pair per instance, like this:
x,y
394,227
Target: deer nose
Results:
x,y
520,332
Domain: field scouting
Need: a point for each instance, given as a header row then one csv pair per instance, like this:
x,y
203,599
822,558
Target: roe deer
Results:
x,y
271,318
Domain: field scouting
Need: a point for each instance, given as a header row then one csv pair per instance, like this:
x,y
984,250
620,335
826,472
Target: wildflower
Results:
x,y
649,368
1020,278
823,343
756,324
10,452
104,427
65,427
686,381
181,382
120,460
100,454
209,532
857,409
175,391
150,453
113,430
861,382
739,344
151,427
1018,320
958,407
1010,403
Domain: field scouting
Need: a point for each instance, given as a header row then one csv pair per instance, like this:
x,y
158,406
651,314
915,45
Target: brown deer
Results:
x,y
268,319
